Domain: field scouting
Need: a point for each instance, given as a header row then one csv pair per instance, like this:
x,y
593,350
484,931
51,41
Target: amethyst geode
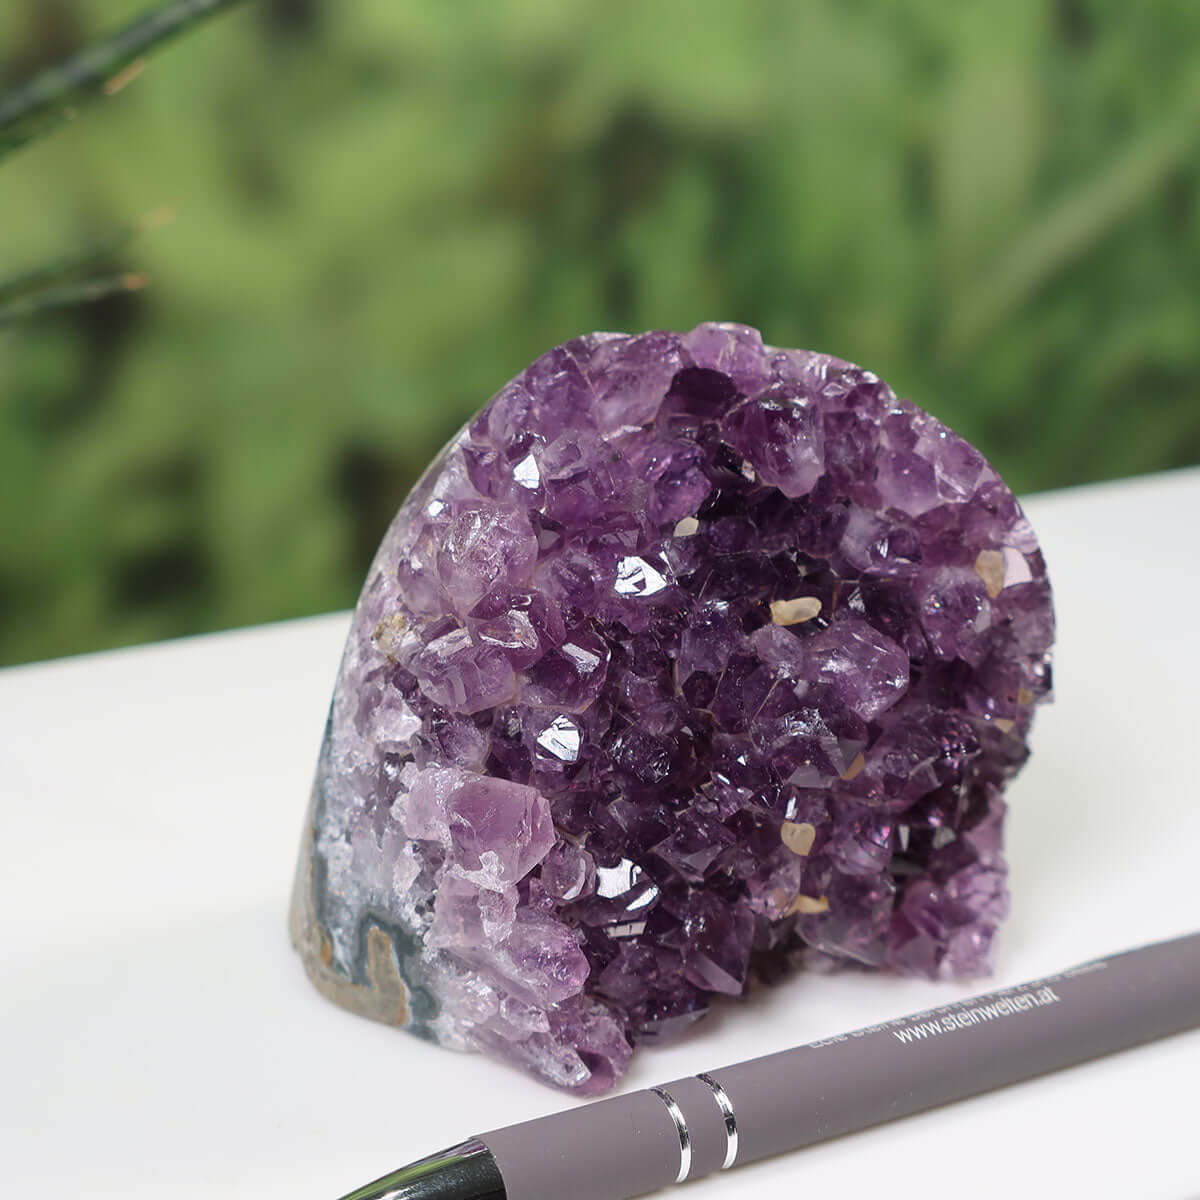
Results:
x,y
686,656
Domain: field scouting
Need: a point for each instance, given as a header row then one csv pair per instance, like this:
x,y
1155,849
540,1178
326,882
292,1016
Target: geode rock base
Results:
x,y
687,657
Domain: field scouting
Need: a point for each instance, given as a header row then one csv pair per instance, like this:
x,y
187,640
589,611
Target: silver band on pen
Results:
x,y
731,1129
685,1137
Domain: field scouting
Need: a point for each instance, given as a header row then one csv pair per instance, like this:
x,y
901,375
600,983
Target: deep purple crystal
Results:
x,y
688,654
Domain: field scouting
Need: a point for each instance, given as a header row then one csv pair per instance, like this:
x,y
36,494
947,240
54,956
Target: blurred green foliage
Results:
x,y
385,209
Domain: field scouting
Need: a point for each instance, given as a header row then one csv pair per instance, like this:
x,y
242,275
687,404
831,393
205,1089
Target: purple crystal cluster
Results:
x,y
687,655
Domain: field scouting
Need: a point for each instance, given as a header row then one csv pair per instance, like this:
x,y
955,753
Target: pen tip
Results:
x,y
463,1172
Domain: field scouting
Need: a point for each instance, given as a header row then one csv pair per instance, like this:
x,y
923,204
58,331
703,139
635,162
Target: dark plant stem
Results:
x,y
69,293
95,253
48,99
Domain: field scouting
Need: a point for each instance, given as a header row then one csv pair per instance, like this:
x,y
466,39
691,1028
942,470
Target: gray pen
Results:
x,y
645,1140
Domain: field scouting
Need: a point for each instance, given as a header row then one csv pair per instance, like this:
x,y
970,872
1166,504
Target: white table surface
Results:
x,y
159,1038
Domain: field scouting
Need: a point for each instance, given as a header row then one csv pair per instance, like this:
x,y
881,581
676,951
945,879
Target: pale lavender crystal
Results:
x,y
688,659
